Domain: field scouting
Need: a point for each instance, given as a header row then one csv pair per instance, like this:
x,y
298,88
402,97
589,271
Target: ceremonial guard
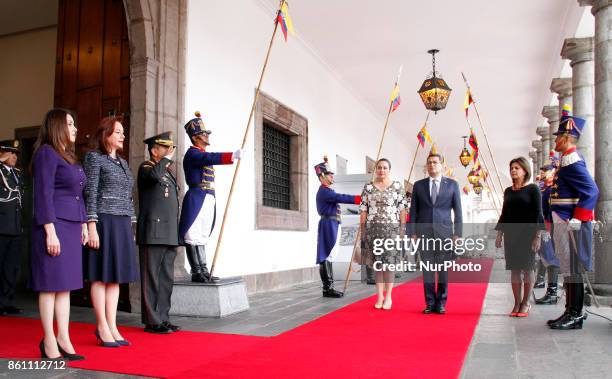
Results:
x,y
157,234
547,250
11,193
329,209
198,213
572,202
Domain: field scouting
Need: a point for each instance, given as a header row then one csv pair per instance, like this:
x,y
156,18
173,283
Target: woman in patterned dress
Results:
x,y
383,214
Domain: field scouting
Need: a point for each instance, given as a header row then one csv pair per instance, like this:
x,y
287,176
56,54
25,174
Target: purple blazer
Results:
x,y
58,188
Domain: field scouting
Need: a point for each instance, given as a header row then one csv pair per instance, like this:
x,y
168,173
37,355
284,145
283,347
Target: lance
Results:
x,y
380,144
244,140
488,180
484,132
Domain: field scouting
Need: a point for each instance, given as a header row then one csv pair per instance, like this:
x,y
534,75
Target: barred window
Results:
x,y
281,166
276,164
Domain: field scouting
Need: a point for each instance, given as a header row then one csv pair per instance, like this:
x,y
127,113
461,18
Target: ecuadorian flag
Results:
x,y
395,97
423,136
284,20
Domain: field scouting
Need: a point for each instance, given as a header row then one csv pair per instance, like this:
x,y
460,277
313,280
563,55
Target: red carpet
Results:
x,y
355,341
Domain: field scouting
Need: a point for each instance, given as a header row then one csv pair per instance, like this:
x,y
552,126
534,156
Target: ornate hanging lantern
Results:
x,y
477,188
434,91
465,157
473,177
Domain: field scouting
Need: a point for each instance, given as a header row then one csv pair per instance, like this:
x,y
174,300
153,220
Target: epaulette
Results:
x,y
148,163
569,159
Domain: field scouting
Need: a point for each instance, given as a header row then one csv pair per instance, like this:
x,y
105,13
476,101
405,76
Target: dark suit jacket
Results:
x,y
158,211
11,193
434,220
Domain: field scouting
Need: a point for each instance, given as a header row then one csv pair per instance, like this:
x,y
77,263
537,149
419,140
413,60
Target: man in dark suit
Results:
x,y
433,198
157,234
11,193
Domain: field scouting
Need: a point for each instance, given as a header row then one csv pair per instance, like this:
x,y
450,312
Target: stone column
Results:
x,y
542,131
537,144
602,10
534,166
157,31
580,53
551,112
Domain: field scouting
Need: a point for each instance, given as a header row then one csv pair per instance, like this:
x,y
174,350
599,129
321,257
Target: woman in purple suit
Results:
x,y
59,229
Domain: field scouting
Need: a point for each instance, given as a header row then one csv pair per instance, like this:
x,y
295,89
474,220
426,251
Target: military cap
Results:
x,y
323,168
163,139
11,146
195,126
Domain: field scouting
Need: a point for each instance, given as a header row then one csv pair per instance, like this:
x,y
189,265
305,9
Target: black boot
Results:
x,y
568,295
574,318
191,253
551,292
201,257
327,278
540,277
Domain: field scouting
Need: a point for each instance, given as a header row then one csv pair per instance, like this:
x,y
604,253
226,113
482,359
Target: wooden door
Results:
x,y
92,77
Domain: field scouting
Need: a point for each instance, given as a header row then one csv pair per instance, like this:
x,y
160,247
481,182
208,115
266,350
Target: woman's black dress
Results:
x,y
521,218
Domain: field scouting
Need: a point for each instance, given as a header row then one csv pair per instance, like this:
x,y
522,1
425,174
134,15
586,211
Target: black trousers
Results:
x,y
10,252
156,281
435,296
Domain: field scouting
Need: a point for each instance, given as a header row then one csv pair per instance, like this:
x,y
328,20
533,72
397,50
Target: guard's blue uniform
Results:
x,y
547,248
574,195
200,177
329,209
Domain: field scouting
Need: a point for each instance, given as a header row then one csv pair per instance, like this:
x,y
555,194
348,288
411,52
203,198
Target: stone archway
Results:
x,y
157,33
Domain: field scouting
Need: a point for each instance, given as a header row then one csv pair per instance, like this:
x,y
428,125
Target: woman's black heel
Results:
x,y
43,353
68,356
104,343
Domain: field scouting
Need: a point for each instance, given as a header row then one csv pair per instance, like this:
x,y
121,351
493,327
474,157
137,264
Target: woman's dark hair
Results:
x,y
54,132
521,161
383,160
106,128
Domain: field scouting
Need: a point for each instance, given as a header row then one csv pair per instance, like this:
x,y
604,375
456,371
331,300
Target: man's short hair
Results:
x,y
440,157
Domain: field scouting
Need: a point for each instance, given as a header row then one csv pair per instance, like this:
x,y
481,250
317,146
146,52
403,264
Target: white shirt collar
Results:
x,y
437,178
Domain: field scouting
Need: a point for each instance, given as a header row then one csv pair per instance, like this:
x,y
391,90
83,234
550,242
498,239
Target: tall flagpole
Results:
x,y
244,140
380,144
484,132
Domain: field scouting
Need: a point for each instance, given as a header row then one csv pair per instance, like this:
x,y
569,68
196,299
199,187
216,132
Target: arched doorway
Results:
x,y
123,57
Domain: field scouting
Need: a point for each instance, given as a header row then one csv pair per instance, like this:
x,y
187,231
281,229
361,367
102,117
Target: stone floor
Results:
x,y
502,347
509,347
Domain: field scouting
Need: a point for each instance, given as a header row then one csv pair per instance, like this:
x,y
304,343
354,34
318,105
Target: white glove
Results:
x,y
237,154
546,236
574,224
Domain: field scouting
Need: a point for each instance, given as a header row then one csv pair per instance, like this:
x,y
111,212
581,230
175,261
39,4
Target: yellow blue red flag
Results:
x,y
395,97
423,136
284,20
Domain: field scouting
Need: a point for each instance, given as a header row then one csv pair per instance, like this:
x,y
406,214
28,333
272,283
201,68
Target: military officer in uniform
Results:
x,y
547,248
157,234
572,202
198,212
11,193
329,209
